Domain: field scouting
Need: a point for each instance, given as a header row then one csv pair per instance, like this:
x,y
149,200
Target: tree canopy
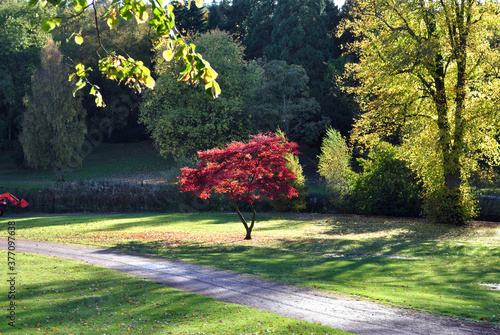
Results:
x,y
250,171
428,76
182,120
54,123
299,35
284,103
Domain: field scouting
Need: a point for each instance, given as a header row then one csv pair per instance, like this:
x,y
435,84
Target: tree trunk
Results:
x,y
248,228
110,131
58,172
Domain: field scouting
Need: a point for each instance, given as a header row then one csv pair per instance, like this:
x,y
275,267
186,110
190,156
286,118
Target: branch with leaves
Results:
x,y
125,69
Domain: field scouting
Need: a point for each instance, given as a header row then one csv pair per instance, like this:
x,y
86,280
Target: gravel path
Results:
x,y
356,316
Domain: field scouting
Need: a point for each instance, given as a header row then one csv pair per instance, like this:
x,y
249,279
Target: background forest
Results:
x,y
278,63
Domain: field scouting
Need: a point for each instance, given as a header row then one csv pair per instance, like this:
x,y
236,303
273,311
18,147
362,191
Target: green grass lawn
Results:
x,y
58,296
402,262
139,160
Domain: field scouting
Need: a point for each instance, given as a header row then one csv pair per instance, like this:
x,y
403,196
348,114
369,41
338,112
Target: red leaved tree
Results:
x,y
244,171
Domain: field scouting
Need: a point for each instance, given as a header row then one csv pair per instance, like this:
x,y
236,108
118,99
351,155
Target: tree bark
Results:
x,y
248,228
58,172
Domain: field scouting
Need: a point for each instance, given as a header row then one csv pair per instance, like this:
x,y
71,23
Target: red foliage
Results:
x,y
244,171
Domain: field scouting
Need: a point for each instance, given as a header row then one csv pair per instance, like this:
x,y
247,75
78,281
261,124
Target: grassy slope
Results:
x,y
407,263
58,296
138,160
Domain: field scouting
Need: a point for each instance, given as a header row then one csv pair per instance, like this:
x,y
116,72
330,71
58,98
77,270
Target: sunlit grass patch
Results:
x,y
59,296
404,262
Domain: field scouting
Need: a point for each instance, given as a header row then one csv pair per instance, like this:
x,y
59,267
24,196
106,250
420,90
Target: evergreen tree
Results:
x,y
53,126
215,17
284,103
191,20
300,36
258,28
238,12
229,16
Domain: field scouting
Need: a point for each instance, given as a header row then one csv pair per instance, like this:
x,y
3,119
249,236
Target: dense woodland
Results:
x,y
355,87
258,32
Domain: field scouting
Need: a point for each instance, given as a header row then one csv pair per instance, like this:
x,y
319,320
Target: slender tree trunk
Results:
x,y
58,172
248,228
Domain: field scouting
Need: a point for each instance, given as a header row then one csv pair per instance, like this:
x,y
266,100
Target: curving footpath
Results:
x,y
356,316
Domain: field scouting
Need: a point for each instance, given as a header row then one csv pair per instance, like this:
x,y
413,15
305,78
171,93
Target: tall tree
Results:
x,y
228,15
284,103
21,42
300,36
258,27
183,121
238,12
120,66
428,72
121,110
54,125
192,19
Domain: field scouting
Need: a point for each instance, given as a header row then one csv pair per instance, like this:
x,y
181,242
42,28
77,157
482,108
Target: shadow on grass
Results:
x,y
63,297
120,222
406,269
105,302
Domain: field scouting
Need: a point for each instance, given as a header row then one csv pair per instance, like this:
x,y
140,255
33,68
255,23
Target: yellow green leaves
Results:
x,y
80,5
163,23
82,75
161,19
168,55
430,86
132,72
78,39
94,90
195,67
50,23
212,89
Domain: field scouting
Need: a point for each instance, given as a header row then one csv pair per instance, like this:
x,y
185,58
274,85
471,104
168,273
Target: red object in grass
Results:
x,y
244,171
7,196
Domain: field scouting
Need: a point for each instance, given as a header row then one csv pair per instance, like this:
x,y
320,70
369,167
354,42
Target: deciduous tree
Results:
x,y
297,203
428,72
54,123
335,166
181,120
244,171
283,102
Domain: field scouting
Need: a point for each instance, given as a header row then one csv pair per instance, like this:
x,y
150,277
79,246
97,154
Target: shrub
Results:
x,y
386,186
485,181
294,204
335,167
114,196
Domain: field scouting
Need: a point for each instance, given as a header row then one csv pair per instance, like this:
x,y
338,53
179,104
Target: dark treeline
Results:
x,y
299,33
